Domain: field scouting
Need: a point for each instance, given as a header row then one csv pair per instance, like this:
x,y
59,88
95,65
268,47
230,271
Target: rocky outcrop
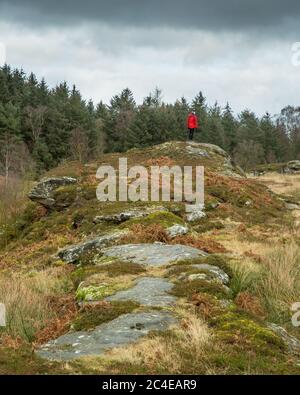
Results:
x,y
294,165
213,272
195,213
121,331
43,192
292,206
72,254
177,230
124,216
205,150
157,254
292,343
149,291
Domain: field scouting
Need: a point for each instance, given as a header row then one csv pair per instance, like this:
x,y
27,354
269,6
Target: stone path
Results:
x,y
148,292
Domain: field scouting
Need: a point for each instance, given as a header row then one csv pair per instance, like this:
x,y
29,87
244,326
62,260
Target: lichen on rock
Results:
x,y
43,192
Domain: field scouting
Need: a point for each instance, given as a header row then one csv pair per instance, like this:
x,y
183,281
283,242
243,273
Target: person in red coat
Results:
x,y
192,124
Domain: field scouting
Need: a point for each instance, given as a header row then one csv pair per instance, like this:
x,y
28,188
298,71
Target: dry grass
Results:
x,y
188,345
240,245
36,253
63,310
203,243
156,233
280,183
27,299
13,198
279,285
244,275
162,161
145,234
250,303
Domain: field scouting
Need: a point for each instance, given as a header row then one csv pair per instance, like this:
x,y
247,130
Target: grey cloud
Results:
x,y
236,51
200,14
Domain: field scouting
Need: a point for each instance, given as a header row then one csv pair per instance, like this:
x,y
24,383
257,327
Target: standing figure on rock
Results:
x,y
192,124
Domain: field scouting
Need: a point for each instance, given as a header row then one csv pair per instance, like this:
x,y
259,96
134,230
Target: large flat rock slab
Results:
x,y
149,291
157,254
123,330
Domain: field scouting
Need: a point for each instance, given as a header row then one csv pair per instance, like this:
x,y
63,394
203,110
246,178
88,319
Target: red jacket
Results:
x,y
192,121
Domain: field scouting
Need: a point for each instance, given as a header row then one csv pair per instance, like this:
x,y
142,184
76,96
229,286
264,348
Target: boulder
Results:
x,y
197,151
214,271
292,343
204,149
195,213
124,216
208,272
294,165
43,192
72,254
177,230
292,206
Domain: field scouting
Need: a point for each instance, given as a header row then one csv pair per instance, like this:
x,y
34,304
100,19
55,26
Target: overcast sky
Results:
x,y
236,50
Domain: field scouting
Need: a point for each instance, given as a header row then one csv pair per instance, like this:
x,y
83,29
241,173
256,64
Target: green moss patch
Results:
x,y
113,269
188,288
213,259
207,226
163,218
65,196
93,293
235,327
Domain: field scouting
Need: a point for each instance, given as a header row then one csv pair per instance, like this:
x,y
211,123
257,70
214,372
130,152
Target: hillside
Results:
x,y
144,287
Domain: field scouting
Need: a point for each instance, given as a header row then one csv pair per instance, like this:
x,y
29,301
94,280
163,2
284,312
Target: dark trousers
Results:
x,y
191,133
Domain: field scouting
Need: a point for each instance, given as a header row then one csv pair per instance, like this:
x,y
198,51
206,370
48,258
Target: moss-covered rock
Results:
x,y
113,268
163,218
93,293
45,192
188,288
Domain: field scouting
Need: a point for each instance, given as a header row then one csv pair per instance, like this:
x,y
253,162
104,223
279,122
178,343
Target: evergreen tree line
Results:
x,y
40,127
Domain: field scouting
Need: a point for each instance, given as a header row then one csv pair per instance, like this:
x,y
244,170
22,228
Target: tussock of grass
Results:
x,y
245,274
279,284
27,300
177,351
